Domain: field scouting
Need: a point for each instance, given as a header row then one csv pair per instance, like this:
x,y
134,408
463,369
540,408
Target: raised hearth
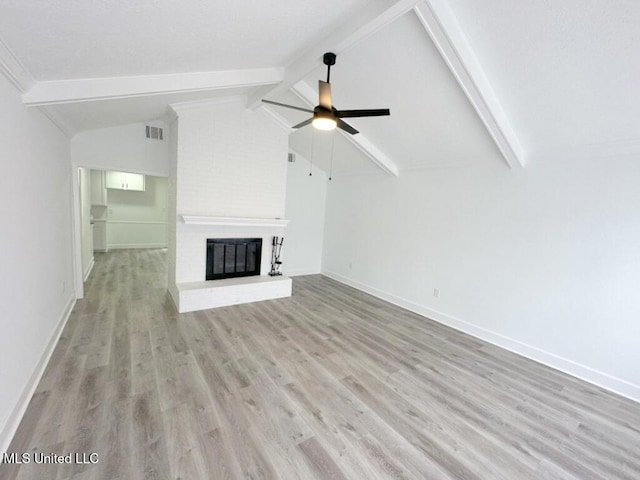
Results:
x,y
231,291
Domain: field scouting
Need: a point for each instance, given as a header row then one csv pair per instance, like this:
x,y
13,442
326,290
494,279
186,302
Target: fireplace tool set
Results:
x,y
275,256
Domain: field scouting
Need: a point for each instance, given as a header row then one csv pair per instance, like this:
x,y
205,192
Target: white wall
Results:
x,y
305,208
123,148
86,234
138,219
36,257
172,219
543,260
230,162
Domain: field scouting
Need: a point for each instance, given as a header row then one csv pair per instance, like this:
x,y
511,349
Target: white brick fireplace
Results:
x,y
227,180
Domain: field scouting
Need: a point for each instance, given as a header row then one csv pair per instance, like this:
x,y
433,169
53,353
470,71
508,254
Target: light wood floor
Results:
x,y
328,384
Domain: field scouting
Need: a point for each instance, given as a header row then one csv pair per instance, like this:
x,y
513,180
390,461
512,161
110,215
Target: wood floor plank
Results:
x,y
219,457
143,376
336,435
149,439
329,383
277,431
320,461
183,444
114,443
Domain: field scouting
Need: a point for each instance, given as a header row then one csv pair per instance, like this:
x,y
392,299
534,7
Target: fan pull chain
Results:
x,y
313,137
333,143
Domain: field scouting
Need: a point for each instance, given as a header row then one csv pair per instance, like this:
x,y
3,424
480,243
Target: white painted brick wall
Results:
x,y
231,162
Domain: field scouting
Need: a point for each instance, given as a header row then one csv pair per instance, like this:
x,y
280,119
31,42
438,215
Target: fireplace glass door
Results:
x,y
233,257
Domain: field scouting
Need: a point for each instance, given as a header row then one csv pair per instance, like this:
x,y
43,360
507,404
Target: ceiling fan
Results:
x,y
325,115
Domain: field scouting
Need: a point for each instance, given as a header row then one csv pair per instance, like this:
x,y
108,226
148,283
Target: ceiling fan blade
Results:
x,y
346,127
288,106
324,89
303,124
378,112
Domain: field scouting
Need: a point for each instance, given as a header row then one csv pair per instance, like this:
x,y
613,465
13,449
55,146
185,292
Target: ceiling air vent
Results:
x,y
154,133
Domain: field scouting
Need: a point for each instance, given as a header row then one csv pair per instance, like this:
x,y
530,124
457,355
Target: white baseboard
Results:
x,y
89,268
123,246
10,428
175,296
588,374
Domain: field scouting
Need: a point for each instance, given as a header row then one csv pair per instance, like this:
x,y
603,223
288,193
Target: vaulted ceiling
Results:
x,y
468,83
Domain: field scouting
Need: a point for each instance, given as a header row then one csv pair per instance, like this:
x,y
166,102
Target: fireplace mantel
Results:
x,y
234,221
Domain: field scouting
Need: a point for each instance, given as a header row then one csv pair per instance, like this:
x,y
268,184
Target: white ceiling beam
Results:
x,y
369,20
361,142
89,89
442,26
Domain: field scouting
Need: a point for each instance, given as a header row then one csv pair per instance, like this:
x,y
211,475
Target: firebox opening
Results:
x,y
233,257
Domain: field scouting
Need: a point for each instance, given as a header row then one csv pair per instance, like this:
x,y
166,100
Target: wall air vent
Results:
x,y
292,158
155,133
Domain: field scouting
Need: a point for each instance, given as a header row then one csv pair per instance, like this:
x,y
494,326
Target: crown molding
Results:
x,y
11,68
360,141
89,89
441,25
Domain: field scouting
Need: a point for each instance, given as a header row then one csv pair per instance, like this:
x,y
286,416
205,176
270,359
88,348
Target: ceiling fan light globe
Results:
x,y
324,123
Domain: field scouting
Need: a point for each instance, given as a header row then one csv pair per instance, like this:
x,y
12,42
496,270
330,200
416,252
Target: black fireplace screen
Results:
x,y
233,257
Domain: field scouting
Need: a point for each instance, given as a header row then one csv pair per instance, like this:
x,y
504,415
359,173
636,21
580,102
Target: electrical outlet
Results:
x,y
436,293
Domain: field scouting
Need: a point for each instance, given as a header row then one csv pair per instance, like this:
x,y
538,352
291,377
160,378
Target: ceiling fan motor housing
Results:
x,y
329,58
321,111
